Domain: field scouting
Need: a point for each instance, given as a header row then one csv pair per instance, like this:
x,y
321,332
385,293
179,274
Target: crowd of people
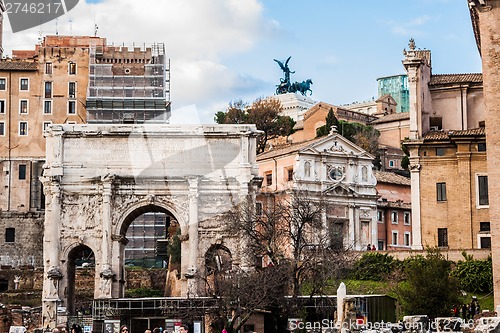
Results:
x,y
370,247
467,311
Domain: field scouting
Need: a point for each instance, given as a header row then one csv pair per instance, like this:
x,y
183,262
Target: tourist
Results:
x,y
124,329
368,247
374,248
147,331
184,329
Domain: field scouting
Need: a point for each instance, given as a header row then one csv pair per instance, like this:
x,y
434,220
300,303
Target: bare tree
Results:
x,y
291,234
239,294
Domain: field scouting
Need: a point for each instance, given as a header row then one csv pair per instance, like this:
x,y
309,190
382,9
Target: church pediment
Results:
x,y
338,145
340,190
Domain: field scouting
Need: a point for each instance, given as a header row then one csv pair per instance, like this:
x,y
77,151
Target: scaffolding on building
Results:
x,y
128,84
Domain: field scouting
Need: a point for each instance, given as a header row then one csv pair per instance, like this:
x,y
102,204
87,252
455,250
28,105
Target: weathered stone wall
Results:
x,y
32,279
27,246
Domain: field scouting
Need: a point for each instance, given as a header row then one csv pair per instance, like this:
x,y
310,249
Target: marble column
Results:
x,y
106,274
51,248
193,235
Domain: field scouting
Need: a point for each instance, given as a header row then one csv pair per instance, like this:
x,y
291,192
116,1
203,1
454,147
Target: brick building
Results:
x,y
393,211
58,83
447,161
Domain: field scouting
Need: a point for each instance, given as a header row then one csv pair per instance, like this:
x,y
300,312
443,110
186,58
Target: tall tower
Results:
x,y
485,15
2,10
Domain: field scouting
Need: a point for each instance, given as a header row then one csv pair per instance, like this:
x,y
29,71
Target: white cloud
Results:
x,y
198,34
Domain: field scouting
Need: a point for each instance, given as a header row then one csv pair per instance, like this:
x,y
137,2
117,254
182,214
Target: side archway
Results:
x,y
80,271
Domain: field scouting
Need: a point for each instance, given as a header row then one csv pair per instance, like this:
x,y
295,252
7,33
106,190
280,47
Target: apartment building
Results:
x,y
65,80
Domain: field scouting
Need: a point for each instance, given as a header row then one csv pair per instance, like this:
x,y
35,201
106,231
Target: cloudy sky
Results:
x,y
223,50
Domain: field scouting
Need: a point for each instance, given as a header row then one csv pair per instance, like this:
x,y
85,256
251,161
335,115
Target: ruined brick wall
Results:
x,y
26,249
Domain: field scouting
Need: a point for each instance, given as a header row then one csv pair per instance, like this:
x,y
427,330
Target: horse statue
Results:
x,y
302,87
286,86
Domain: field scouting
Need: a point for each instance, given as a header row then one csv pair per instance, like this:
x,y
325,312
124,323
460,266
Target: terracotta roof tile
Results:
x,y
391,117
437,79
18,66
391,177
442,135
293,147
469,132
436,136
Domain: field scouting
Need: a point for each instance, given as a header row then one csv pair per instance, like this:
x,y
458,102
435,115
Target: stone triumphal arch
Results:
x,y
98,178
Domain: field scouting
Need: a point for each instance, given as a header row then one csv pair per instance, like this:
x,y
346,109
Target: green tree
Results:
x,y
264,113
331,120
430,288
405,161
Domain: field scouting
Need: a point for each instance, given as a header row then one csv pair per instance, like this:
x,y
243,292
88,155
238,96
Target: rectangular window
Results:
x,y
407,218
442,237
23,128
269,179
48,89
440,152
2,106
481,146
3,83
485,242
484,226
436,123
71,107
22,171
394,238
258,208
72,68
46,125
10,235
394,217
441,191
391,163
407,239
24,84
47,107
289,174
48,68
2,128
23,106
482,188
72,90
380,216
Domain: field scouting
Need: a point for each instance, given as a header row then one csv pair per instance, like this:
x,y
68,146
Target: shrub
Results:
x,y
143,292
373,266
476,276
